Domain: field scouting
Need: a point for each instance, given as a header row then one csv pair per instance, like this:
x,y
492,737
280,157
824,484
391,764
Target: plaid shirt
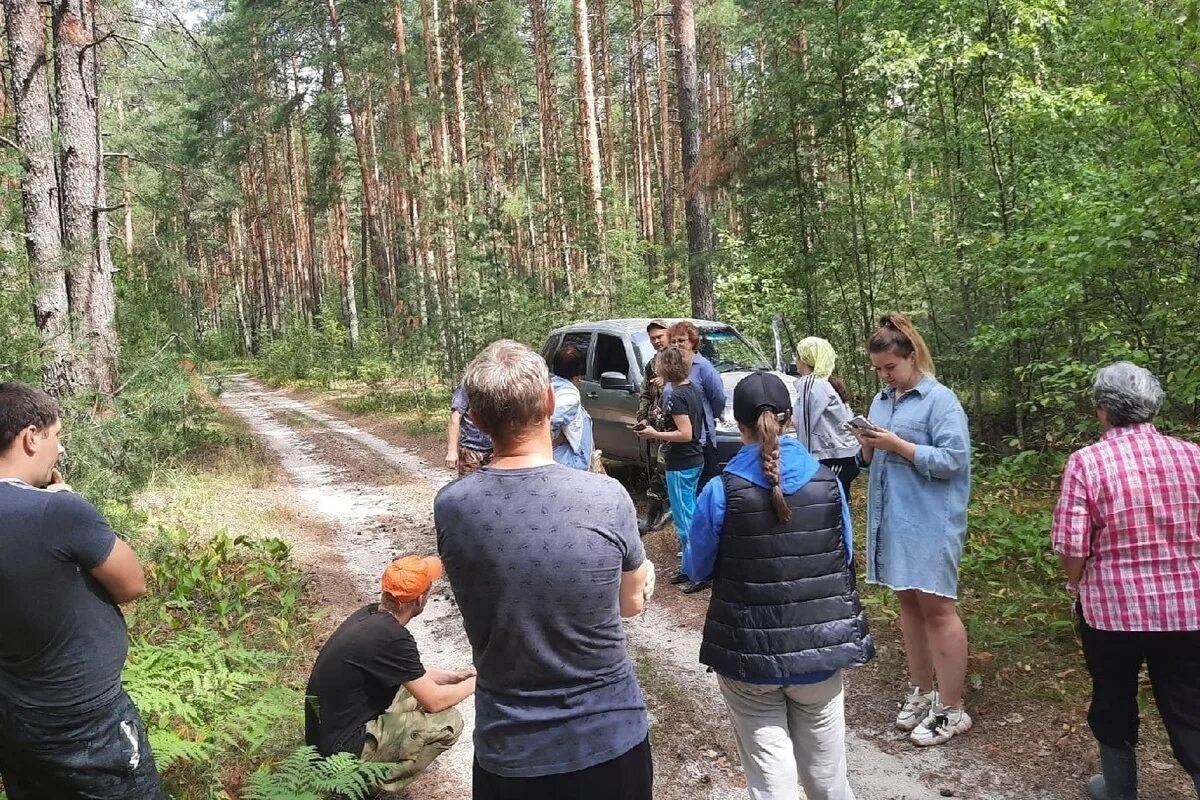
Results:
x,y
1130,505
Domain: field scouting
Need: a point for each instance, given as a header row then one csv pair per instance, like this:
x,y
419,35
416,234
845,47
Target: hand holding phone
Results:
x,y
859,422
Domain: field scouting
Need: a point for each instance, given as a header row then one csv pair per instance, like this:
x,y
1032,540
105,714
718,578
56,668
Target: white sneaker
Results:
x,y
915,708
942,725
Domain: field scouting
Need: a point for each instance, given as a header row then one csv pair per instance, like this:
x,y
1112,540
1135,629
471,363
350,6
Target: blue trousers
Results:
x,y
681,489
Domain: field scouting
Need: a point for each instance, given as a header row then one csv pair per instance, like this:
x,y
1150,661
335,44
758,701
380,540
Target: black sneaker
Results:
x,y
679,578
697,586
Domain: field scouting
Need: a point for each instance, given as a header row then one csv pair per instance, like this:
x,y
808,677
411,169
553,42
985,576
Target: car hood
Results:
x,y
732,379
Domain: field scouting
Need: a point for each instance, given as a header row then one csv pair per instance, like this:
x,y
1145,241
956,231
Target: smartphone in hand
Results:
x,y
859,422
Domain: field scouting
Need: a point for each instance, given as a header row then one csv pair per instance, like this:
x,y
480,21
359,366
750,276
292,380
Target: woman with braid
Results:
x,y
773,534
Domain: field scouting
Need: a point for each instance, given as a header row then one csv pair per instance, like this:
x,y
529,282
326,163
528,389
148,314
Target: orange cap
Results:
x,y
406,579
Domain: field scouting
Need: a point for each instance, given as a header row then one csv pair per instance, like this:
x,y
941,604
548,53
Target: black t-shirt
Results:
x,y
62,638
356,677
686,400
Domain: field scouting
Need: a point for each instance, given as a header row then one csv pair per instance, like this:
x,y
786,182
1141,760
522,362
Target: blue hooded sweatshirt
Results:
x,y
796,468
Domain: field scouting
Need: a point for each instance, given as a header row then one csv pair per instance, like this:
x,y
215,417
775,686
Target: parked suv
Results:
x,y
617,351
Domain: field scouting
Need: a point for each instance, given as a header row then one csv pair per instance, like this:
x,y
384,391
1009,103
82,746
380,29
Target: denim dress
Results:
x,y
917,511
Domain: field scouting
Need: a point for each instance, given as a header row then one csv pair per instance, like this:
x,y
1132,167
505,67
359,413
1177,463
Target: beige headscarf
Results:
x,y
818,354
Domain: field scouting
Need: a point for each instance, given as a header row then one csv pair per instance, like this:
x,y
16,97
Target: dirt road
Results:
x,y
377,498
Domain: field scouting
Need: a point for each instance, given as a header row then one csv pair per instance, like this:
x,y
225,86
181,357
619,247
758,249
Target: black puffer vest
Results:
x,y
784,601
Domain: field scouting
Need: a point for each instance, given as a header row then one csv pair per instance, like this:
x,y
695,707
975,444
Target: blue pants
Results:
x,y
681,489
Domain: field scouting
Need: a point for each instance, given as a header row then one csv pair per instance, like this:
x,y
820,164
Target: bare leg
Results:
x,y
947,645
916,643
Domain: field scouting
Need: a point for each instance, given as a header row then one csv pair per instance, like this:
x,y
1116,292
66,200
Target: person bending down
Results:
x,y
369,693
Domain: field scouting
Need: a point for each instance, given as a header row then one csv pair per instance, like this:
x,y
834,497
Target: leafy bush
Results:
x,y
219,654
160,417
229,583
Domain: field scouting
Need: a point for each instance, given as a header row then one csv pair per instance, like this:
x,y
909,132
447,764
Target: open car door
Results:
x,y
785,345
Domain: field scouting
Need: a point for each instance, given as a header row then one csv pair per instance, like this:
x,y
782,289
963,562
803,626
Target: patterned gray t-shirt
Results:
x,y
534,557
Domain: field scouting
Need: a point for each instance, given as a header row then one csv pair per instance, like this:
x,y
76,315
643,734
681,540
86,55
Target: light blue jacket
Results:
x,y
917,512
572,422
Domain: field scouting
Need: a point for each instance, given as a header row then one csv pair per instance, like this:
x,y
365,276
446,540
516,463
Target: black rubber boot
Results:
x,y
1119,781
653,512
664,516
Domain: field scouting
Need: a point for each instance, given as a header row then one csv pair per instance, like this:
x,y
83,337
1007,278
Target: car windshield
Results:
x,y
729,352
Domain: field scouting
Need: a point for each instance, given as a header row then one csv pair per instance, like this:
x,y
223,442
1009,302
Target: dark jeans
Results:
x,y
98,754
626,777
846,470
1114,658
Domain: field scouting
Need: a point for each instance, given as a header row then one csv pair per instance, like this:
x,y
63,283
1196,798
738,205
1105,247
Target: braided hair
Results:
x,y
767,432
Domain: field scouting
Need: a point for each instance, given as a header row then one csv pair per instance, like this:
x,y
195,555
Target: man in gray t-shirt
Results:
x,y
544,561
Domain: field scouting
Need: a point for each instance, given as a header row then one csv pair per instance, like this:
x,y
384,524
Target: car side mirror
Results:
x,y
791,370
617,381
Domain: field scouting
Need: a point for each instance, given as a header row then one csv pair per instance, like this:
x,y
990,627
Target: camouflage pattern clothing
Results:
x,y
410,737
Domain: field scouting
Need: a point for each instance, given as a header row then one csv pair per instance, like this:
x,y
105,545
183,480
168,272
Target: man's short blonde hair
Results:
x,y
507,385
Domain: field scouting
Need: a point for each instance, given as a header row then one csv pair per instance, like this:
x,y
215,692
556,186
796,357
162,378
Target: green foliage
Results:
x,y
305,353
305,775
219,647
159,417
230,583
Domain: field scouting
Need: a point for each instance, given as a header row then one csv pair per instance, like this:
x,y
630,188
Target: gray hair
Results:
x,y
1129,393
507,385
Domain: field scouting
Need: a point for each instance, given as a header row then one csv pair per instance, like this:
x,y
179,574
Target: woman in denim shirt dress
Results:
x,y
919,458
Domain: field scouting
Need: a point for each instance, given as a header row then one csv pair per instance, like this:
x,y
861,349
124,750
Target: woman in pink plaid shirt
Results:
x,y
1127,527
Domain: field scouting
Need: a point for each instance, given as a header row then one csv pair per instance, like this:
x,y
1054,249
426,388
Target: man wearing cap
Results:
x,y
370,695
650,413
544,561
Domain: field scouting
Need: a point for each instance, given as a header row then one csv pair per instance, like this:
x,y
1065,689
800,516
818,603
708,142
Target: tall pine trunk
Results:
x,y
340,250
84,201
590,142
666,151
555,237
26,29
695,191
370,189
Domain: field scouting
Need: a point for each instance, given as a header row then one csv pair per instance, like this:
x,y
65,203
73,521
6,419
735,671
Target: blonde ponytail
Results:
x,y
767,434
897,334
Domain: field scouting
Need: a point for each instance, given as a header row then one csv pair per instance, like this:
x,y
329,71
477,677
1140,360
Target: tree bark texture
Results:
x,y
26,29
590,143
84,203
695,190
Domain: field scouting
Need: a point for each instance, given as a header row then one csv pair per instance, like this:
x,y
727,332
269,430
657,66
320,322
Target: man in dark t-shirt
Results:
x,y
370,695
67,727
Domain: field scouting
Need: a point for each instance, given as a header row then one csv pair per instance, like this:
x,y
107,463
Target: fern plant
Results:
x,y
305,775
